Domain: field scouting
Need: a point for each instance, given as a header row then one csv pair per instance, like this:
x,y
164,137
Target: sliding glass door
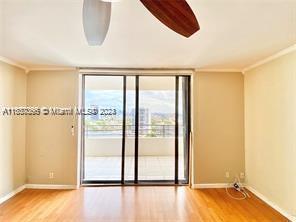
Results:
x,y
157,128
103,132
141,131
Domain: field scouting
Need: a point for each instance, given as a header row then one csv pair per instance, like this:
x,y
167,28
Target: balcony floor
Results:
x,y
150,168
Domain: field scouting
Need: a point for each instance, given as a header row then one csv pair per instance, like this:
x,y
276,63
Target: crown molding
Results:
x,y
244,70
270,58
53,69
27,70
218,70
10,62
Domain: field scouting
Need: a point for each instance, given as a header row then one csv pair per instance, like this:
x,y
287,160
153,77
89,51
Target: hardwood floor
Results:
x,y
141,204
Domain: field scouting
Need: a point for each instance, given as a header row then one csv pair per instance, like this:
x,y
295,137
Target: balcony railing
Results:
x,y
144,131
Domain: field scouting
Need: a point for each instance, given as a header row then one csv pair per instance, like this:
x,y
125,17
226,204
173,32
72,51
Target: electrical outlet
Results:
x,y
51,175
227,174
242,175
72,131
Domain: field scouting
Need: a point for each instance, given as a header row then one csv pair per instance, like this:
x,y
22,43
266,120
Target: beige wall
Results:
x,y
50,144
270,116
12,129
218,126
270,127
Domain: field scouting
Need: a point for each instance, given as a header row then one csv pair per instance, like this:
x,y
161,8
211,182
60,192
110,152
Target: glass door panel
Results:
x,y
156,160
103,132
141,131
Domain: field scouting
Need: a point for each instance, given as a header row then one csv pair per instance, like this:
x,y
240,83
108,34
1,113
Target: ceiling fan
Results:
x,y
175,14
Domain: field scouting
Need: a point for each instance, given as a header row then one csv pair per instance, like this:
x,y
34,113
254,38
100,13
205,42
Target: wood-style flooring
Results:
x,y
141,204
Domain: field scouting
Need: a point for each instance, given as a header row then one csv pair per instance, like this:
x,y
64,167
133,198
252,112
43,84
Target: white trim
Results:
x,y
210,185
123,71
53,69
270,58
10,62
273,205
12,194
218,70
153,71
51,186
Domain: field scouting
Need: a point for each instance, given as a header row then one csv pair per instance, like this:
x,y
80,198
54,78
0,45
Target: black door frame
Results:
x,y
122,181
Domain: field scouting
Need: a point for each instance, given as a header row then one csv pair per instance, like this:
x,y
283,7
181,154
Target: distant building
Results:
x,y
144,120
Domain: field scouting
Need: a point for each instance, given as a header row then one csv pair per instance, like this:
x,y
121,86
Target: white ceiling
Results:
x,y
233,35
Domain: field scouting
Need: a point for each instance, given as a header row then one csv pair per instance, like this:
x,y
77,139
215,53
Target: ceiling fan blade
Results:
x,y
175,14
96,20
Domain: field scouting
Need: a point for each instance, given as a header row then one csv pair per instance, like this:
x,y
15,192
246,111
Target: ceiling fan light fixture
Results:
x,y
96,21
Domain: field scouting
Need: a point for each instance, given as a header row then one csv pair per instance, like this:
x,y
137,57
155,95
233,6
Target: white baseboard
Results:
x,y
51,186
210,185
273,205
37,186
12,193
